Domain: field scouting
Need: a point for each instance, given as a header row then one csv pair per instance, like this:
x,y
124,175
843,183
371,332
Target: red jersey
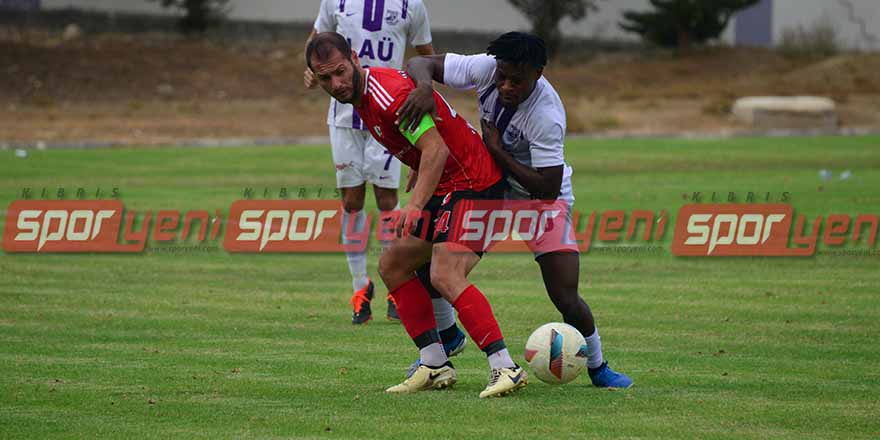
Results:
x,y
469,165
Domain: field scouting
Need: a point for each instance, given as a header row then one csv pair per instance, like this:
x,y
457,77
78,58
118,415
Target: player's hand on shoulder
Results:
x,y
309,79
419,103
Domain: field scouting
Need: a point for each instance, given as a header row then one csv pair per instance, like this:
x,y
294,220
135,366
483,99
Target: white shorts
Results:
x,y
560,238
359,158
559,241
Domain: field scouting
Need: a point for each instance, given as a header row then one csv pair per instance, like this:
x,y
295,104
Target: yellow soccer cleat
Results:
x,y
504,381
427,378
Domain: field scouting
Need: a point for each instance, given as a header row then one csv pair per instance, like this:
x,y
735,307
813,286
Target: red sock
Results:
x,y
476,316
414,307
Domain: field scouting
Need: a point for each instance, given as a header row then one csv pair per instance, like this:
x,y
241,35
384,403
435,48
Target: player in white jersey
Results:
x,y
524,128
379,31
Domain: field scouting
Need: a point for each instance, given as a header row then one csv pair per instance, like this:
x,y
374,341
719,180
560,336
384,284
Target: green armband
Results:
x,y
413,136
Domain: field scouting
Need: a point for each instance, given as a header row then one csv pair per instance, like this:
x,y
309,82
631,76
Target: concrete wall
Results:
x,y
857,22
464,15
498,15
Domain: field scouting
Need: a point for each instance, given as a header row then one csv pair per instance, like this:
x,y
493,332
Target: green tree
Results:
x,y
199,15
545,16
681,23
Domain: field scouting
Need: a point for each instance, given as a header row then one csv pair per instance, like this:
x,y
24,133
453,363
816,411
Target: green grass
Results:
x,y
212,345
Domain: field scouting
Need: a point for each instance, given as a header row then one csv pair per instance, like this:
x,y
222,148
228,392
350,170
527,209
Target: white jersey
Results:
x,y
533,133
378,31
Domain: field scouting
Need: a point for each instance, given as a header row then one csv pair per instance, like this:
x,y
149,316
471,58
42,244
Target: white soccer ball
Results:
x,y
556,353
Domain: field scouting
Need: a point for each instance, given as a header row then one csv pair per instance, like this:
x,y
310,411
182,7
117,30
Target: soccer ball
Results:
x,y
556,353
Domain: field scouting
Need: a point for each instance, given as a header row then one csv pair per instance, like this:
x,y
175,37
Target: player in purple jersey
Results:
x,y
528,146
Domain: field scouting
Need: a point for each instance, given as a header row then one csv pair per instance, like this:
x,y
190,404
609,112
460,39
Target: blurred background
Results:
x,y
187,338
161,72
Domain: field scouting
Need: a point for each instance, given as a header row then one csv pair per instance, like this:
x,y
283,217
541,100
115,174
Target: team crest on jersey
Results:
x,y
512,135
391,18
377,130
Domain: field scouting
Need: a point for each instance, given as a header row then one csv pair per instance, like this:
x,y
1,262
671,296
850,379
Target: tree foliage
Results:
x,y
680,23
545,16
199,15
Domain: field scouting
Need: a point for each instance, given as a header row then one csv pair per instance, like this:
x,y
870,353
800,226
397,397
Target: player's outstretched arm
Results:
x,y
542,183
420,102
425,69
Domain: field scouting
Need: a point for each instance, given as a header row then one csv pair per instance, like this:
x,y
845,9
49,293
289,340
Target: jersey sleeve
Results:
x,y
546,142
419,32
326,21
465,72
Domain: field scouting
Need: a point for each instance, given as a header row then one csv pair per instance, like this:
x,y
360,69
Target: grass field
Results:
x,y
211,345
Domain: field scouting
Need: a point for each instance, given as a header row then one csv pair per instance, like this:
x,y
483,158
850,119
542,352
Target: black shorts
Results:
x,y
441,211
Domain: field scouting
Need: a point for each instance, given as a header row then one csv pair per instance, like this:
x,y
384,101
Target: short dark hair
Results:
x,y
322,45
519,48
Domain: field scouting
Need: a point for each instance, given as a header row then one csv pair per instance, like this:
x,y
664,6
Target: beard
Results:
x,y
355,85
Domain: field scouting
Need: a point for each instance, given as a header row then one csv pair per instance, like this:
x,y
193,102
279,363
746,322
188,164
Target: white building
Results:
x,y
857,22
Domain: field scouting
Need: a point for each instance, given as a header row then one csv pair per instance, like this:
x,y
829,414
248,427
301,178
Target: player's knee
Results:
x,y
387,204
387,270
352,205
386,201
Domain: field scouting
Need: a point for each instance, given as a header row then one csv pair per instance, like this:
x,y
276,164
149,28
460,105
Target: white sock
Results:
x,y
444,313
433,355
501,359
594,350
357,261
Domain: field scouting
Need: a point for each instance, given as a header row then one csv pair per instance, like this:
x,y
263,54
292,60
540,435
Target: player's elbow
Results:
x,y
549,195
552,193
545,188
551,189
548,185
542,192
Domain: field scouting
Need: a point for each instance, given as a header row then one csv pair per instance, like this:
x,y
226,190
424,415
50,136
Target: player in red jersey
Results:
x,y
453,165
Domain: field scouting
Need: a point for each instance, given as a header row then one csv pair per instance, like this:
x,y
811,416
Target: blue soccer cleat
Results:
x,y
604,377
456,345
452,348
